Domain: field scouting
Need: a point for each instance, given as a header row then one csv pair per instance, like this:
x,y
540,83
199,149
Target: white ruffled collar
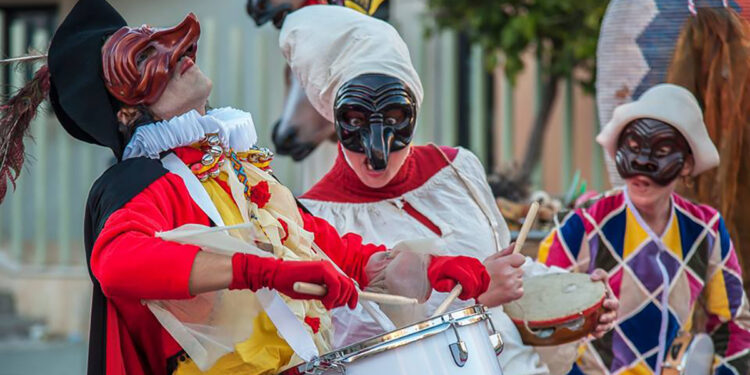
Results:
x,y
235,129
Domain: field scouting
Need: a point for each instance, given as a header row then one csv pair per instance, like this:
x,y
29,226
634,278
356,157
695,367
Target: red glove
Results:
x,y
445,272
254,272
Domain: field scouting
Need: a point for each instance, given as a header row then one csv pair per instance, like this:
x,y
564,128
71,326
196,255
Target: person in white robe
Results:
x,y
357,73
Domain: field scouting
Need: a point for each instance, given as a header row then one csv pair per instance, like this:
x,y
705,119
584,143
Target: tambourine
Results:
x,y
557,308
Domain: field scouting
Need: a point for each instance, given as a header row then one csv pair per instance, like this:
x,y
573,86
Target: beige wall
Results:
x,y
65,5
63,302
60,299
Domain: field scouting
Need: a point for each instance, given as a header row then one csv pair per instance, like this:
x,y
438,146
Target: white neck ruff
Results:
x,y
235,129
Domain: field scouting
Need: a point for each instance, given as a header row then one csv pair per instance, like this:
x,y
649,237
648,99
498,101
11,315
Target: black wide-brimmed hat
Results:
x,y
78,94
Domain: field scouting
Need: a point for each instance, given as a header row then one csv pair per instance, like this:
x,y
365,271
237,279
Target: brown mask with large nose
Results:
x,y
138,62
651,148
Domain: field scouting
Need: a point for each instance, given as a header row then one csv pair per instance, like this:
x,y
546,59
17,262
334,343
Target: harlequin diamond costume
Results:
x,y
186,188
693,259
440,195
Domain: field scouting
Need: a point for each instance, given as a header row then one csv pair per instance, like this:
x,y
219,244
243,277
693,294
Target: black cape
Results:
x,y
116,187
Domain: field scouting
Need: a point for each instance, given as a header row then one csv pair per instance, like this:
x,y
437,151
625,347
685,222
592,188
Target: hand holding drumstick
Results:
x,y
507,276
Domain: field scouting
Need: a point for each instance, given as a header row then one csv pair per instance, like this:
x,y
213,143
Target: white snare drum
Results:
x,y
458,342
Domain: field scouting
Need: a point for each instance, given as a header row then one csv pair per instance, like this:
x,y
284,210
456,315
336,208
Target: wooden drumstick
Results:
x,y
448,300
525,228
388,299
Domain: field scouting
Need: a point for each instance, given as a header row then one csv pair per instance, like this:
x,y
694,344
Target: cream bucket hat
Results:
x,y
673,105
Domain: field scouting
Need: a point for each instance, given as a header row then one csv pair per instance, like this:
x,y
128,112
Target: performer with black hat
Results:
x,y
138,92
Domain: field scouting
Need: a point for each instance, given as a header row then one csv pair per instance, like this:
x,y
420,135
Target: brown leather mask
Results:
x,y
138,62
653,149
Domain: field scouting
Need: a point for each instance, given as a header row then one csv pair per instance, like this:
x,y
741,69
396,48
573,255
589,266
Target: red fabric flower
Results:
x,y
285,226
314,323
260,194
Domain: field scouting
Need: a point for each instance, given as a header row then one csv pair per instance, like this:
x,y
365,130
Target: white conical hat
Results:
x,y
326,46
673,105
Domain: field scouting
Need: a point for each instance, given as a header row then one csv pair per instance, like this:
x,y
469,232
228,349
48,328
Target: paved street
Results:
x,y
42,358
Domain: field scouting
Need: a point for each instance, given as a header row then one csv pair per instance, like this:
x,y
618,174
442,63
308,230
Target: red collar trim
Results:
x,y
342,185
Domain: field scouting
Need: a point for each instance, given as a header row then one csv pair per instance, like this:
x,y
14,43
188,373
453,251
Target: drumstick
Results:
x,y
525,228
378,316
388,299
448,300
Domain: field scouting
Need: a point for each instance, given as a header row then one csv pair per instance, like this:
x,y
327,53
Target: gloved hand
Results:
x,y
254,272
445,272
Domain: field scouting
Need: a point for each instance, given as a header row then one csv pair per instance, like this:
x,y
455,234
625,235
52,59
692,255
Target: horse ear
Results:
x,y
287,76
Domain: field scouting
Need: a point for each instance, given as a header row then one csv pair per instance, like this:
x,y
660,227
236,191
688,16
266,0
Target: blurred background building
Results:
x,y
44,284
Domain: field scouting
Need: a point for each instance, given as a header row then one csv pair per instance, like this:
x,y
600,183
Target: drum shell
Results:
x,y
427,355
563,334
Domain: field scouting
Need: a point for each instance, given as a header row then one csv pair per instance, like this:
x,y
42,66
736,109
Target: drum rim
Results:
x,y
404,336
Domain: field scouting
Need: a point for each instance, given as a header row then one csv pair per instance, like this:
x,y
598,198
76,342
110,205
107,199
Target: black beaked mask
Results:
x,y
653,149
375,114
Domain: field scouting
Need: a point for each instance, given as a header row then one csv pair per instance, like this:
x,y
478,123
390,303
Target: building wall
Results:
x,y
567,147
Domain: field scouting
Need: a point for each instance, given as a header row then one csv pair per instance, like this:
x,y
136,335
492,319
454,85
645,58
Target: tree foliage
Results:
x,y
565,31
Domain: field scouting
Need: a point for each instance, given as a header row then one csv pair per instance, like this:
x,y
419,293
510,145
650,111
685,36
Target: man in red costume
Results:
x,y
138,92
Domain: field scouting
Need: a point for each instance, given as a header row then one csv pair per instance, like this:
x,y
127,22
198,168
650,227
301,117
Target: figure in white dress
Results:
x,y
357,73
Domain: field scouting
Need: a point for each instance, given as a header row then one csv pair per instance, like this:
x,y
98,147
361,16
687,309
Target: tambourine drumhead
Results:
x,y
555,298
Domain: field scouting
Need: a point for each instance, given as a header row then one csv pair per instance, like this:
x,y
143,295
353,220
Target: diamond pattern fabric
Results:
x,y
646,320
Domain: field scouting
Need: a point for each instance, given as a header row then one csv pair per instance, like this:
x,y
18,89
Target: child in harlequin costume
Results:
x,y
650,239
182,169
357,73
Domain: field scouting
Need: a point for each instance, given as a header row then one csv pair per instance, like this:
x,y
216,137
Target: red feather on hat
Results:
x,y
15,117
